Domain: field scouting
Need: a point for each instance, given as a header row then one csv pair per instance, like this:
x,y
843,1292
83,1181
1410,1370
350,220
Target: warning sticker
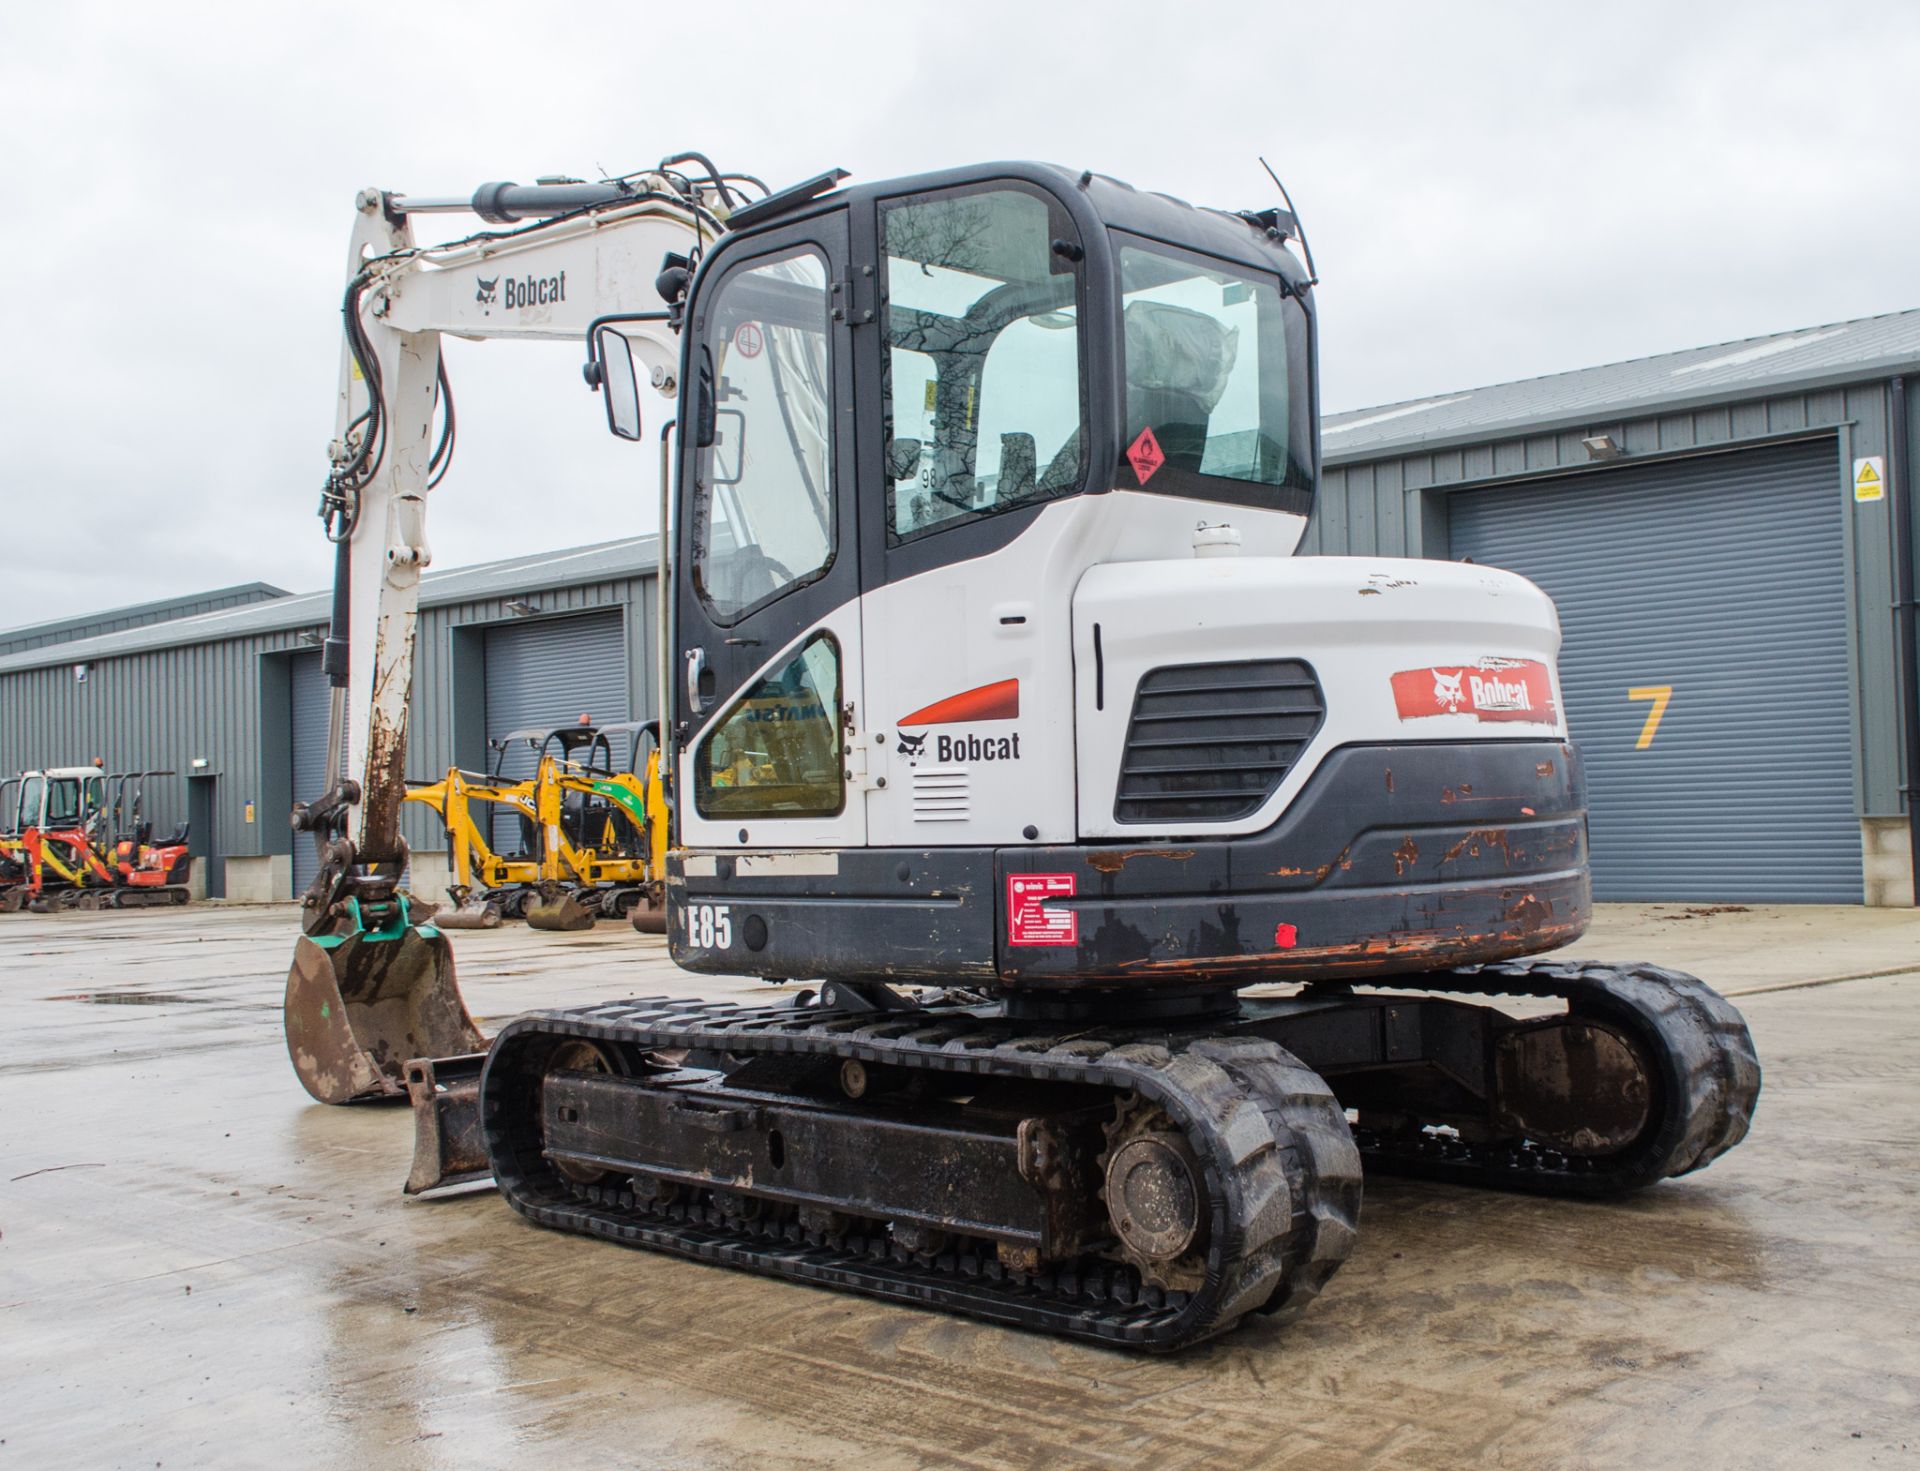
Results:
x,y
1870,478
748,339
1145,455
1029,921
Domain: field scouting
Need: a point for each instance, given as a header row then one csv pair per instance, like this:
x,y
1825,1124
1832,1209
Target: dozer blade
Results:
x,y
559,912
448,1147
358,1009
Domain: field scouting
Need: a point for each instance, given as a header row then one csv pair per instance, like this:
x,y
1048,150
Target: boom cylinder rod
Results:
x,y
504,202
334,660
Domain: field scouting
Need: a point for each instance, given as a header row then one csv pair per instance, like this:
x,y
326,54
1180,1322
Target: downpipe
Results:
x,y
1901,481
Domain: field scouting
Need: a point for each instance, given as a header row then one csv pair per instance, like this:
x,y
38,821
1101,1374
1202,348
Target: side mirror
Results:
x,y
729,446
903,458
619,382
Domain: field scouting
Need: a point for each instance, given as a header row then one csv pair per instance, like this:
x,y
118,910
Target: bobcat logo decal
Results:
x,y
912,746
487,290
1447,691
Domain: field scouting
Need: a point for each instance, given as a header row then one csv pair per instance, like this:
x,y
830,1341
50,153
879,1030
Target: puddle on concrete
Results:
x,y
133,998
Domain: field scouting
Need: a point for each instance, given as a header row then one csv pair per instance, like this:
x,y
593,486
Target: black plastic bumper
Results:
x,y
1392,858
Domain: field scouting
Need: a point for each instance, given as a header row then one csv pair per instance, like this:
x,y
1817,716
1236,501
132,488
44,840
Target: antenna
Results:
x,y
1313,276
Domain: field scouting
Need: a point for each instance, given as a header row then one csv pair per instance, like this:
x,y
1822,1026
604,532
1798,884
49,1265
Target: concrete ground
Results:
x,y
200,1267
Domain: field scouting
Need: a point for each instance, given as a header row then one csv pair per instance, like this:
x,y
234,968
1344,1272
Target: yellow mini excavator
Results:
x,y
592,833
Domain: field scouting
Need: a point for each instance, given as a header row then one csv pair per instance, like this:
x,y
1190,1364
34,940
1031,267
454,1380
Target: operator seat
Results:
x,y
1178,364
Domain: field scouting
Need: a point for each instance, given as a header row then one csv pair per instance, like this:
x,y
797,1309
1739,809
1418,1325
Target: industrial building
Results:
x,y
1718,527
234,701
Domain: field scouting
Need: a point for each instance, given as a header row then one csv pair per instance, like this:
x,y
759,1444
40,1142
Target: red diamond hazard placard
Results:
x,y
1145,455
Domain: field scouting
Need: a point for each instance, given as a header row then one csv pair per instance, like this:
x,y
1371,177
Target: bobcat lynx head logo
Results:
x,y
487,289
1446,689
912,746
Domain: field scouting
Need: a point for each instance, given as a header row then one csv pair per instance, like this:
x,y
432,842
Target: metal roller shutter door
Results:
x,y
308,688
1722,577
548,673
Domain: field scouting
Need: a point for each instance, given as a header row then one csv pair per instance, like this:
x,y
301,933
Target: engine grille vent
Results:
x,y
1211,742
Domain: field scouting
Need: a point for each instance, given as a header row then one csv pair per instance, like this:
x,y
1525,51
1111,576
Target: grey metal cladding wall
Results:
x,y
1397,507
163,707
308,694
157,709
548,672
1722,577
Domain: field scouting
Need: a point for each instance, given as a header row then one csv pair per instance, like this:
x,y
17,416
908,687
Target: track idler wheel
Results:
x,y
358,1009
1574,1083
1156,1196
577,1056
559,909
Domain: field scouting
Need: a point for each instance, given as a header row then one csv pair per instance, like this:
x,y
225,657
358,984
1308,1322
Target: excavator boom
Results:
x,y
370,988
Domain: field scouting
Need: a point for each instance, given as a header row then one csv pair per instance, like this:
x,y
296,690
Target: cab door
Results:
x,y
767,601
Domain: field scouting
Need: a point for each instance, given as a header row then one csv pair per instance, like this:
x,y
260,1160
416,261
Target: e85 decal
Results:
x,y
710,926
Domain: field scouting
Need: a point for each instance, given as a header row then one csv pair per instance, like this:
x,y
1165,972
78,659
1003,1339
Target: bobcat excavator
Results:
x,y
1150,880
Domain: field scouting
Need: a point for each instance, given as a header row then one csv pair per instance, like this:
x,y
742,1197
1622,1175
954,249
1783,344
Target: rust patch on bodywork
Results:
x,y
1405,856
1529,914
1545,768
1107,861
1341,861
1475,839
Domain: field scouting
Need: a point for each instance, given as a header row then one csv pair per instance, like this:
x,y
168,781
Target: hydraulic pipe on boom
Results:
x,y
370,986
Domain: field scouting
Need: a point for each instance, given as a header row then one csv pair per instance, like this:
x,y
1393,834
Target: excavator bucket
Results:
x,y
360,1008
477,913
559,910
649,916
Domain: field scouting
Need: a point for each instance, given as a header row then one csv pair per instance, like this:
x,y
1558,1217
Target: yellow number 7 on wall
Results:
x,y
1659,694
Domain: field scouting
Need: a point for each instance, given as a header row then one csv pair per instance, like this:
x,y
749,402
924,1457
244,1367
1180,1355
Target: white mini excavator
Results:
x,y
995,706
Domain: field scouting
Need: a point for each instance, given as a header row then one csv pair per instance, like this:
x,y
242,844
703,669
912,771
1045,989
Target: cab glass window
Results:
x,y
32,791
776,753
763,454
1216,371
63,802
982,376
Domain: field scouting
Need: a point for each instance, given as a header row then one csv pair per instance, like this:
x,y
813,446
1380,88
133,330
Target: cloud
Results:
x,y
1493,192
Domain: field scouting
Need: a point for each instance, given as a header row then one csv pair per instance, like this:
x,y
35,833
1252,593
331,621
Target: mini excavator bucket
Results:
x,y
473,912
559,909
361,1006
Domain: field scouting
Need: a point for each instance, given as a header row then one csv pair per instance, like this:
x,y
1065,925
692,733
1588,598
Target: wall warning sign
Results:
x,y
1029,922
1870,478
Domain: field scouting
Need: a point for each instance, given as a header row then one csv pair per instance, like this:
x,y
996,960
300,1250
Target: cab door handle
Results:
x,y
696,673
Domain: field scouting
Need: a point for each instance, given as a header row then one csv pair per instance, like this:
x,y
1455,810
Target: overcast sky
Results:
x,y
1493,191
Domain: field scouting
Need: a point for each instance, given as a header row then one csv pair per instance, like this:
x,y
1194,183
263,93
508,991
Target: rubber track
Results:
x,y
1282,1173
1709,1080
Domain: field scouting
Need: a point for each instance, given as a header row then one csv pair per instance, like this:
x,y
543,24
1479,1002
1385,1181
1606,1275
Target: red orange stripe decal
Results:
x,y
990,702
